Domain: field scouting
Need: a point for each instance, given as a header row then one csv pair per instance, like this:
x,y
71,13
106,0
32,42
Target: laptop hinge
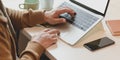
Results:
x,y
86,7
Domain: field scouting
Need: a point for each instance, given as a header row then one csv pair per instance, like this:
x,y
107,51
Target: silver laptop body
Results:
x,y
84,21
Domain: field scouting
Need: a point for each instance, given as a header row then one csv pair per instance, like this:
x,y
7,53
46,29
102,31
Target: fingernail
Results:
x,y
75,13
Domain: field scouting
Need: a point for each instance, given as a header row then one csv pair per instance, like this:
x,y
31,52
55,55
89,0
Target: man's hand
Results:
x,y
52,17
47,37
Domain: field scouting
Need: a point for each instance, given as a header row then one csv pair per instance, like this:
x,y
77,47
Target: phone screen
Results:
x,y
99,43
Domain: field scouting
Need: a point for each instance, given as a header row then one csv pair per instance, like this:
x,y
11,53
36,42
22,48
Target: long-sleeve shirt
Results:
x,y
19,20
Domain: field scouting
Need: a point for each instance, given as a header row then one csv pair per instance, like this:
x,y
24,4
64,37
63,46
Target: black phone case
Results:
x,y
96,47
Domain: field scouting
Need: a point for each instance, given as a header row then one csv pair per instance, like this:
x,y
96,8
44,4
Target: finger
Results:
x,y
54,40
66,9
53,35
54,31
59,20
45,30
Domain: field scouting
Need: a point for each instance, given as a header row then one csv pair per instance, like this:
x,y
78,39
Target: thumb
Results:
x,y
60,20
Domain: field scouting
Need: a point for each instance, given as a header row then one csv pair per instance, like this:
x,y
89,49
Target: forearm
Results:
x,y
33,51
22,19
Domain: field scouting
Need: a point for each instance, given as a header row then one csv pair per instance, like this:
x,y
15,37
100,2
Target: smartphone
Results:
x,y
99,43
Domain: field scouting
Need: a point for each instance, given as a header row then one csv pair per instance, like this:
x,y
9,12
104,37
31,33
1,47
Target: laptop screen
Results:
x,y
98,5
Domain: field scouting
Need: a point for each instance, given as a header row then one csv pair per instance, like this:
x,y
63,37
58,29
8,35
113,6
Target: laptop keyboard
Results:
x,y
82,20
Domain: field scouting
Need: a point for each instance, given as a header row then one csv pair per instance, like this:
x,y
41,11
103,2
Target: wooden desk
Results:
x,y
63,51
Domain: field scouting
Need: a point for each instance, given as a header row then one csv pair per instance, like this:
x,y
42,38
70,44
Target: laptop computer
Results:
x,y
88,14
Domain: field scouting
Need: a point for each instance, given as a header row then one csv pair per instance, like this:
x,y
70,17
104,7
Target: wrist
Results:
x,y
46,16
